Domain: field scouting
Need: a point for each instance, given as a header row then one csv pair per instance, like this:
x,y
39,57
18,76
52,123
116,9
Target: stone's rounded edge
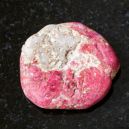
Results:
x,y
102,45
23,80
31,49
114,72
100,86
42,104
32,85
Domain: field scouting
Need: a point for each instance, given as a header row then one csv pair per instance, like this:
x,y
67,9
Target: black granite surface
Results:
x,y
19,19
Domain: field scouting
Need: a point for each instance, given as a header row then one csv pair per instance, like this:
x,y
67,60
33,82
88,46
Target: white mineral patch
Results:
x,y
82,61
55,47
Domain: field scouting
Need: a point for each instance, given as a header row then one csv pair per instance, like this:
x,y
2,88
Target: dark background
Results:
x,y
19,20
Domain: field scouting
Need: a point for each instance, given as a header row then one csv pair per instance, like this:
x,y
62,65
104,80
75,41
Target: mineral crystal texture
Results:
x,y
67,66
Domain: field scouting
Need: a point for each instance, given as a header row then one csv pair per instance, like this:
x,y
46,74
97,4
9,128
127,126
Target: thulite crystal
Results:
x,y
67,66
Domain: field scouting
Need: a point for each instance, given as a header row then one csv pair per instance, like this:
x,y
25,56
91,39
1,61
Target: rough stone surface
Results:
x,y
67,66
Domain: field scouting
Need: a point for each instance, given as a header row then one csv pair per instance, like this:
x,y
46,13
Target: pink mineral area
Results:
x,y
61,89
45,88
98,45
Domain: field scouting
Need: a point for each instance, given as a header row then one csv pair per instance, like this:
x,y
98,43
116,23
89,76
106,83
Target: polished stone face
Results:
x,y
20,19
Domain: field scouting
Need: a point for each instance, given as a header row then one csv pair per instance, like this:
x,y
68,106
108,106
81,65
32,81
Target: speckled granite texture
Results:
x,y
19,19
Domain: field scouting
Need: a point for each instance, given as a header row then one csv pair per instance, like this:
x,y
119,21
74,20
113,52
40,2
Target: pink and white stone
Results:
x,y
67,66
